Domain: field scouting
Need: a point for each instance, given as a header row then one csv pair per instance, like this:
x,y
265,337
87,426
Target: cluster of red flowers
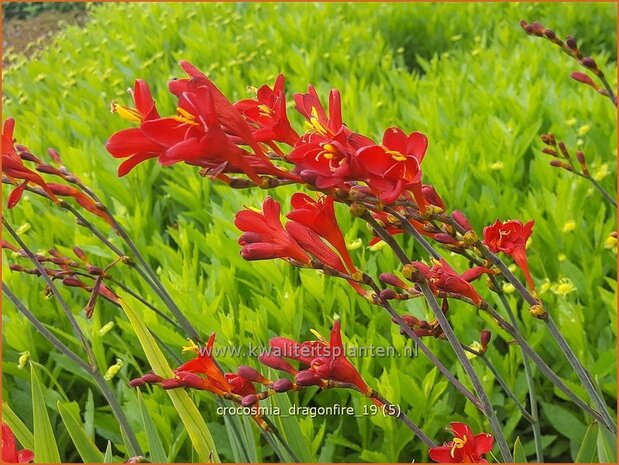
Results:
x,y
320,364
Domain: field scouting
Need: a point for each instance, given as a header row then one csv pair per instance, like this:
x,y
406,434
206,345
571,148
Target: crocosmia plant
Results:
x,y
255,274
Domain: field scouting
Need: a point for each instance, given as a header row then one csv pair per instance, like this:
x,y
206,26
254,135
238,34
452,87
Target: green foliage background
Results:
x,y
464,74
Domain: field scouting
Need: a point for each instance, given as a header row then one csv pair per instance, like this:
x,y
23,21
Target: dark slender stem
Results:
x,y
405,419
470,371
609,89
178,314
76,328
603,191
500,380
413,232
384,235
544,368
133,444
40,327
537,434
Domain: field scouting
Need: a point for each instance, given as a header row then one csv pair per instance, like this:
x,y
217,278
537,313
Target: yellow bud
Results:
x,y
470,238
610,242
378,246
545,286
508,288
562,257
408,271
106,328
113,370
571,122
357,209
475,346
23,229
23,359
569,226
601,173
563,287
497,166
371,297
584,129
538,311
354,245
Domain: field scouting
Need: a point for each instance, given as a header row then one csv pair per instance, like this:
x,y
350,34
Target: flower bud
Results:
x,y
590,63
152,378
538,311
560,164
251,374
388,294
357,209
550,34
392,280
356,193
470,238
171,383
445,238
550,151
410,272
16,267
549,139
277,363
53,153
564,151
571,43
282,385
582,77
136,382
308,378
462,220
484,338
249,401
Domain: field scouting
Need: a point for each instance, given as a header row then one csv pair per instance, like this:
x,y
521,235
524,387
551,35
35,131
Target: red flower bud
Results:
x,y
137,382
249,400
277,363
388,294
392,280
462,220
582,77
152,378
308,378
282,385
484,338
571,43
590,63
445,238
171,383
251,374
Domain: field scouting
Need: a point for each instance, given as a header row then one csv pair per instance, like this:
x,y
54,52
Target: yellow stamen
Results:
x,y
185,117
192,347
397,156
264,110
315,124
458,444
317,334
126,112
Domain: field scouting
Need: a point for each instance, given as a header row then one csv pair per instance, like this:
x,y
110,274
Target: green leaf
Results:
x,y
109,457
157,453
607,446
190,416
21,431
519,455
85,447
45,448
588,449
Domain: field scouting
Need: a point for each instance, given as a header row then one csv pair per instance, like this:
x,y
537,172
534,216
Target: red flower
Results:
x,y
201,372
268,113
322,156
443,278
394,166
326,361
319,216
14,169
10,453
465,446
511,237
132,143
264,236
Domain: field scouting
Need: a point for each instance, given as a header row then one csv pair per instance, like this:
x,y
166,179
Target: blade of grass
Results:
x,y
85,447
588,452
109,457
21,431
45,448
199,433
155,447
